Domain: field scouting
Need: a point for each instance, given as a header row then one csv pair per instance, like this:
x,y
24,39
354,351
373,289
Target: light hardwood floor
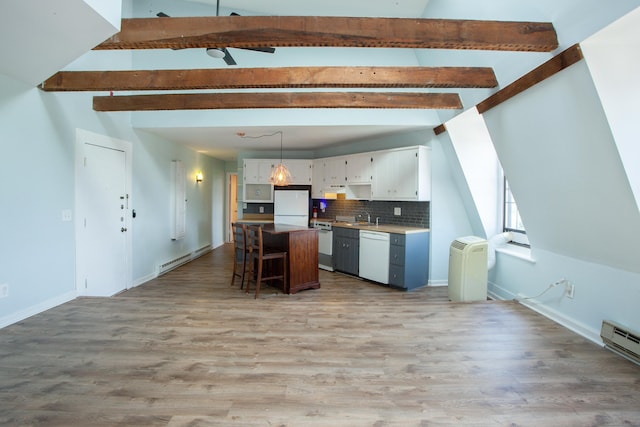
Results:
x,y
188,350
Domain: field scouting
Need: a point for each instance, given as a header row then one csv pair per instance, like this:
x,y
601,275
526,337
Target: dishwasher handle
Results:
x,y
374,235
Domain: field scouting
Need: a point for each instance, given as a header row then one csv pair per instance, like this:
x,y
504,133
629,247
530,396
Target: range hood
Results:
x,y
334,192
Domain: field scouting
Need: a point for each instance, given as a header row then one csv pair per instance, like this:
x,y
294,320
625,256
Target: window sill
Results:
x,y
516,251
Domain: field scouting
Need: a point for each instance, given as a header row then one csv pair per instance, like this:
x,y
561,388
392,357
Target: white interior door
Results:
x,y
103,220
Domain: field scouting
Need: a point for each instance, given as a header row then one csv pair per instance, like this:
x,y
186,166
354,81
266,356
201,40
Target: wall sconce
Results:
x,y
198,176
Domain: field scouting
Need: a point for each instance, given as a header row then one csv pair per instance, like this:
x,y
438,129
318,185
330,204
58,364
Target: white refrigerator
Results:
x,y
291,207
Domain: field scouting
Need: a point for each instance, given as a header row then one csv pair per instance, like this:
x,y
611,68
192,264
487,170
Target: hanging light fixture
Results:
x,y
281,176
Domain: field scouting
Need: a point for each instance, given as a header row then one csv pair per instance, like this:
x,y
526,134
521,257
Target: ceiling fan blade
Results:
x,y
228,58
164,15
260,49
256,49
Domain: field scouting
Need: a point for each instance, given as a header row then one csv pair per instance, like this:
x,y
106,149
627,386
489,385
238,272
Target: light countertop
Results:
x,y
385,228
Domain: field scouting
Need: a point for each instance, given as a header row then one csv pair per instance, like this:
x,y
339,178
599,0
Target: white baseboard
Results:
x,y
591,334
187,257
435,283
36,309
144,279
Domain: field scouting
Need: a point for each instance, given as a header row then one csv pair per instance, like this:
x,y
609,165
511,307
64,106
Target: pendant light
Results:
x,y
281,176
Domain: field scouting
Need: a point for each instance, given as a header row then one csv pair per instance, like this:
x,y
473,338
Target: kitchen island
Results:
x,y
301,245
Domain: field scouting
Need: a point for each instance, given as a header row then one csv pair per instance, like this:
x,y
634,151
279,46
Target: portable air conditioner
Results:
x,y
468,269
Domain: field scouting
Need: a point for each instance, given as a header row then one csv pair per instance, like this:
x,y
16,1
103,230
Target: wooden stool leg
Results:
x,y
258,280
284,280
250,274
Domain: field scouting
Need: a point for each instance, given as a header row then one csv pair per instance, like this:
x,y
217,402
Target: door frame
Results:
x,y
230,204
86,137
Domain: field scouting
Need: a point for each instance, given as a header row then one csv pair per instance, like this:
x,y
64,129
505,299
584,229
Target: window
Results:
x,y
511,218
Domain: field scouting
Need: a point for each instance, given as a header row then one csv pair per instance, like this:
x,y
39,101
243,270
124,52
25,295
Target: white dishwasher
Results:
x,y
374,256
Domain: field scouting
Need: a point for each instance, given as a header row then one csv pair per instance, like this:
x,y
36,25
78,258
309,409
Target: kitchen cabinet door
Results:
x,y
317,179
384,176
346,250
402,174
258,171
300,170
335,172
359,168
409,260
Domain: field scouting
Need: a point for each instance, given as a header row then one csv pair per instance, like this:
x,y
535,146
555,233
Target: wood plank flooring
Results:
x,y
187,349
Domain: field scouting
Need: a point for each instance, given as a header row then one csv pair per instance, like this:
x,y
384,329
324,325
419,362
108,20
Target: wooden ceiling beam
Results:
x,y
322,31
553,66
215,101
290,77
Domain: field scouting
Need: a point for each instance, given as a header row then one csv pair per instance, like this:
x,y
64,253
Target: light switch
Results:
x,y
66,215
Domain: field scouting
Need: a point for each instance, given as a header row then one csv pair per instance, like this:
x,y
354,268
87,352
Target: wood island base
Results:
x,y
301,245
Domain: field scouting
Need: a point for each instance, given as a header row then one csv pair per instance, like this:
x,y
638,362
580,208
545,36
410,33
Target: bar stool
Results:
x,y
271,263
240,252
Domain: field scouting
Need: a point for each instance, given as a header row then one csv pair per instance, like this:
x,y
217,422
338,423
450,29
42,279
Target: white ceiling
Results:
x,y
41,39
373,8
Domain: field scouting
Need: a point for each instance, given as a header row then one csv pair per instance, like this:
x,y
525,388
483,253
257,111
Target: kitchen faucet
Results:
x,y
368,217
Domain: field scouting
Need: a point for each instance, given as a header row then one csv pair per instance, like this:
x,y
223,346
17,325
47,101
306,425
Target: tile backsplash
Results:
x,y
414,214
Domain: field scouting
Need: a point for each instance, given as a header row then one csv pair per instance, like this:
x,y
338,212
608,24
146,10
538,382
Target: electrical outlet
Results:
x,y
4,290
570,289
66,215
397,211
261,209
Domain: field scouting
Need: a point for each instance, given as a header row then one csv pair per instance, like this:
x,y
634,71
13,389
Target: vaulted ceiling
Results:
x,y
395,76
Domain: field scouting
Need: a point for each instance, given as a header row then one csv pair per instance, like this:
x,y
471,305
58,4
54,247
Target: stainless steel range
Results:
x,y
325,243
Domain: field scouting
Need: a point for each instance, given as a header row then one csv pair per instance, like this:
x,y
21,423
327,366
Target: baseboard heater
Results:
x,y
183,259
621,340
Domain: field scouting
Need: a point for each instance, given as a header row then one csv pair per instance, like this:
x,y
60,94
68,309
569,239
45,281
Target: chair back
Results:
x,y
254,240
239,236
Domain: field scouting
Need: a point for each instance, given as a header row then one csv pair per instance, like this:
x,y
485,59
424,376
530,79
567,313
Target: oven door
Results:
x,y
325,249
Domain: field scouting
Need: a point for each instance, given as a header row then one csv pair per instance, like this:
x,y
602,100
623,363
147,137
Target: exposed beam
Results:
x,y
440,129
289,31
214,101
296,77
543,72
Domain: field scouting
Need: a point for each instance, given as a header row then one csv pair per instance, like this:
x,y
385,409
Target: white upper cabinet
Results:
x,y
359,169
258,171
397,174
317,179
402,174
300,170
335,172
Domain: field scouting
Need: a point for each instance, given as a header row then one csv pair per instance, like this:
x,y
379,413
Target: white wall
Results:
x,y
613,57
575,200
565,171
450,216
37,249
474,150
